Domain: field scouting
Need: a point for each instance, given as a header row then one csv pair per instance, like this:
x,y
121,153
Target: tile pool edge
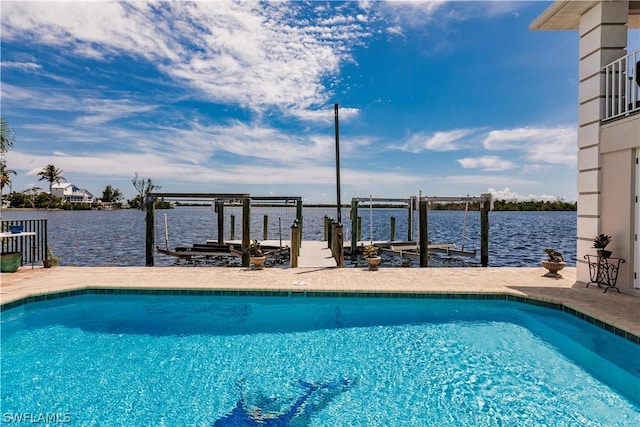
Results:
x,y
547,302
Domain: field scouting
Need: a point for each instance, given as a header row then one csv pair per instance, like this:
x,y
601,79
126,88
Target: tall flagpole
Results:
x,y
338,164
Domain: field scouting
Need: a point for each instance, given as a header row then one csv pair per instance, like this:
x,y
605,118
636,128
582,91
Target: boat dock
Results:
x,y
313,253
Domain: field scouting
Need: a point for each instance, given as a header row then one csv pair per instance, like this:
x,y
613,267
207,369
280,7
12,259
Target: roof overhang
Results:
x,y
565,15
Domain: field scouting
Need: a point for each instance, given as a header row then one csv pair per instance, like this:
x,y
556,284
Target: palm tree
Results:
x,y
5,179
51,174
7,136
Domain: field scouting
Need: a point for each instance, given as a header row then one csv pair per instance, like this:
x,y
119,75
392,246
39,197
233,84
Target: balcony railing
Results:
x,y
622,86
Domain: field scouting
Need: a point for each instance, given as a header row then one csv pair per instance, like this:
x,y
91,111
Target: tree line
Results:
x,y
513,205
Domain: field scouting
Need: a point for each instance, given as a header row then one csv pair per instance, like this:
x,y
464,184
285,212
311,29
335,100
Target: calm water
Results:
x,y
229,361
91,238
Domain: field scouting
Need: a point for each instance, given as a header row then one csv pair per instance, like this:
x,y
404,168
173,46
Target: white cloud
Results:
x,y
542,145
437,141
487,180
89,110
507,194
165,170
257,57
326,115
488,163
412,13
193,145
23,66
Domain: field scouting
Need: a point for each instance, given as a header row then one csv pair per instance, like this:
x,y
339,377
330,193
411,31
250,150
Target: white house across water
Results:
x,y
608,129
72,194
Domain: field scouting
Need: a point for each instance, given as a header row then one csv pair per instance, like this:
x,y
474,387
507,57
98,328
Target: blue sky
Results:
x,y
447,98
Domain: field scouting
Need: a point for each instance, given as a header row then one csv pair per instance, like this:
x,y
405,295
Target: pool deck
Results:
x,y
619,310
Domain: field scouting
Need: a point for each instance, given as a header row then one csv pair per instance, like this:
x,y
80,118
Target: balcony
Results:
x,y
622,87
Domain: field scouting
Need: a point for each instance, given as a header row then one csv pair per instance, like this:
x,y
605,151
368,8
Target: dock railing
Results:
x,y
32,248
622,86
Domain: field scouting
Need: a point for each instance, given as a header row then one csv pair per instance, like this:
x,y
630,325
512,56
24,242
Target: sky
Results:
x,y
439,98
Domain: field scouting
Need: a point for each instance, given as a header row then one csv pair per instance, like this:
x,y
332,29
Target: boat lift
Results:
x,y
420,249
219,200
486,204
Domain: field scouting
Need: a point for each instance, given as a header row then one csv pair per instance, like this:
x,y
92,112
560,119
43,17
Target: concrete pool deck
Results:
x,y
621,311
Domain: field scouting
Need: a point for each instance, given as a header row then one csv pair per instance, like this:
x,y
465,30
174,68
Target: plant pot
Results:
x,y
553,267
10,262
47,263
373,262
257,262
602,253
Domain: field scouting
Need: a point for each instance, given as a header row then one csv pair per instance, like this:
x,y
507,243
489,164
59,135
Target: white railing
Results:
x,y
622,86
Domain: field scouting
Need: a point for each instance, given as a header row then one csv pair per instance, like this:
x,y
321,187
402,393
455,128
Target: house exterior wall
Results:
x,y
617,210
58,191
620,143
606,152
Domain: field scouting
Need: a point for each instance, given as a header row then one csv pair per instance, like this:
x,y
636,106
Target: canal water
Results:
x,y
117,238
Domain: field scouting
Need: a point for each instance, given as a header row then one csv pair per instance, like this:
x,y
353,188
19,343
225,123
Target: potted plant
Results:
x,y
256,256
600,242
554,263
50,259
10,262
372,257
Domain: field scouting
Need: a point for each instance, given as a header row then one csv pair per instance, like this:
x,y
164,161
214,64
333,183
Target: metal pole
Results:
x,y
423,236
371,218
233,228
149,204
339,212
166,233
295,249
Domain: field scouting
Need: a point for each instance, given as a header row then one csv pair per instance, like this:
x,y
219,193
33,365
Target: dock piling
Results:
x,y
220,210
265,227
485,207
246,230
339,245
393,228
295,249
423,234
149,205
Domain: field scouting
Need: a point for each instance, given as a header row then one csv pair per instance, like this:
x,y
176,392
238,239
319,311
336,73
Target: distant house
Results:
x,y
72,194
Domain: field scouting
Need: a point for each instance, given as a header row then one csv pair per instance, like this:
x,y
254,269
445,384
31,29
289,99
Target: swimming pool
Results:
x,y
226,360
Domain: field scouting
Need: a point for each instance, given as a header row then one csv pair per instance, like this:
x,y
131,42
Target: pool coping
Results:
x,y
500,296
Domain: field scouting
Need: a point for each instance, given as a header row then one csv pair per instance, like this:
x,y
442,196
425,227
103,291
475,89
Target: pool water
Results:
x,y
224,360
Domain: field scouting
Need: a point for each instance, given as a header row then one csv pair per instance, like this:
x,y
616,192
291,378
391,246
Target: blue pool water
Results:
x,y
223,360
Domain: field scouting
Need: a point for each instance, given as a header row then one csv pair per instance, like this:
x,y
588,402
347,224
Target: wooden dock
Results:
x,y
315,254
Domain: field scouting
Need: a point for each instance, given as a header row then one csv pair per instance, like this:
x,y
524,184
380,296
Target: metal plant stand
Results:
x,y
603,271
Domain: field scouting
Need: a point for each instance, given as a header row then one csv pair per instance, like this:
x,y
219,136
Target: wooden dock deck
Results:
x,y
315,254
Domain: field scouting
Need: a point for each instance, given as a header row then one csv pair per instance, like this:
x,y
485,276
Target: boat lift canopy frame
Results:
x,y
410,203
219,199
486,204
